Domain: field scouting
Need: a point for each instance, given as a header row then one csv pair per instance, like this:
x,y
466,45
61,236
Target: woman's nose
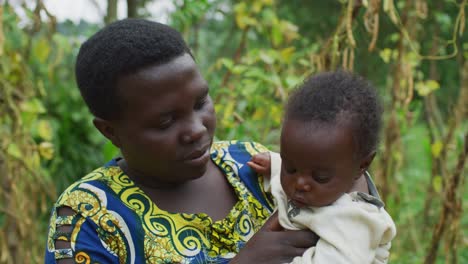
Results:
x,y
194,130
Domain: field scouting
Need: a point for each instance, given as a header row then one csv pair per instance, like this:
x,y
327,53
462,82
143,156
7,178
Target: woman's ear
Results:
x,y
366,162
107,129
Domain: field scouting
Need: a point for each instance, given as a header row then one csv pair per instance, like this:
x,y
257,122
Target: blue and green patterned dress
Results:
x,y
116,222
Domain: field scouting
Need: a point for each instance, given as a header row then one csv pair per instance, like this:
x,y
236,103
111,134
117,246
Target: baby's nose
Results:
x,y
302,185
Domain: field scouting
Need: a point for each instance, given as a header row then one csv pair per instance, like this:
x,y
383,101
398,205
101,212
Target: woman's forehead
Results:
x,y
172,70
181,71
162,88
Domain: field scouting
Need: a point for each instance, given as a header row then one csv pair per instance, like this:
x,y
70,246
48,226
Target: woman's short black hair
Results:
x,y
333,97
122,48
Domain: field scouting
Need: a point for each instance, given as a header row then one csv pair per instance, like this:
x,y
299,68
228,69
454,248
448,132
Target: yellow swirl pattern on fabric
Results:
x,y
85,202
255,148
75,231
186,235
162,253
136,199
118,180
51,233
82,257
89,204
186,240
168,237
245,225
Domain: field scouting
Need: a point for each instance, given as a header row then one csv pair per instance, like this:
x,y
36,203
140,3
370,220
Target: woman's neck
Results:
x,y
147,182
193,196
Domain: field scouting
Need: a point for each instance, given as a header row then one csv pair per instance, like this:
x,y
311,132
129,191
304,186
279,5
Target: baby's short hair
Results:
x,y
333,97
119,49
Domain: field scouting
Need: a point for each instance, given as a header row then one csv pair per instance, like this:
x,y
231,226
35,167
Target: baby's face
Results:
x,y
318,164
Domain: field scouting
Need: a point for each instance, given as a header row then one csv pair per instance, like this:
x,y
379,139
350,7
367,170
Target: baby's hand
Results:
x,y
260,163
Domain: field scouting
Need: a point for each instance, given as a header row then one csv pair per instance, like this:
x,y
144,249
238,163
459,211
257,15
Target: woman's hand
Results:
x,y
261,163
272,244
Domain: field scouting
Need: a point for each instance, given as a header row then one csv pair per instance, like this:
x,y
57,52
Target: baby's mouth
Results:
x,y
297,202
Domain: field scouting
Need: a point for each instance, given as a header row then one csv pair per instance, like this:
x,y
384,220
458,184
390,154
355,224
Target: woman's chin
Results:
x,y
195,172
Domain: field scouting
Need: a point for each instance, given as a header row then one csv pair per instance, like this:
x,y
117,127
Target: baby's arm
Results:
x,y
260,163
269,165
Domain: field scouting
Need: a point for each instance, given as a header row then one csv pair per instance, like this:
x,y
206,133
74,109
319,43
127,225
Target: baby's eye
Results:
x,y
322,178
289,170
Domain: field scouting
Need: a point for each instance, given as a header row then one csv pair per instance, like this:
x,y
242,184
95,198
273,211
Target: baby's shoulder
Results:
x,y
360,198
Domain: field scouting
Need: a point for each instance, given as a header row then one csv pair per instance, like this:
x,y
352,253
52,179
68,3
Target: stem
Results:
x,y
448,210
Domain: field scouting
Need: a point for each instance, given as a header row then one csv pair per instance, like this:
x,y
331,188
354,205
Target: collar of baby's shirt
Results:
x,y
364,197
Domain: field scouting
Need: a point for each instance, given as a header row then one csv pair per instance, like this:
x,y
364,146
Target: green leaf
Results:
x,y
33,106
443,18
44,130
433,85
287,53
276,35
257,6
238,69
14,151
289,30
427,87
226,63
437,183
266,58
269,17
386,54
292,81
412,58
110,151
436,148
46,150
41,50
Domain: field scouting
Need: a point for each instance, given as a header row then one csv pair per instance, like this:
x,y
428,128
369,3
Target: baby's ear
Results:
x,y
366,161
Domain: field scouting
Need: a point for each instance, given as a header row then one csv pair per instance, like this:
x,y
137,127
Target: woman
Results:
x,y
174,196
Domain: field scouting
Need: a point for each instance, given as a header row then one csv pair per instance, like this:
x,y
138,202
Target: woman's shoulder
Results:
x,y
232,157
97,181
238,147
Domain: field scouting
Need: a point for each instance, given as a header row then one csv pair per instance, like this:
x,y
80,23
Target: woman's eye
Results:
x,y
199,105
165,123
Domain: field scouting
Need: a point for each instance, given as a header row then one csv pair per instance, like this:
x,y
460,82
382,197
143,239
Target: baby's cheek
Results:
x,y
287,187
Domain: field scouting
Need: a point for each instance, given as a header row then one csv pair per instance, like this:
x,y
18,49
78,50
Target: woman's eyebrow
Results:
x,y
162,113
204,93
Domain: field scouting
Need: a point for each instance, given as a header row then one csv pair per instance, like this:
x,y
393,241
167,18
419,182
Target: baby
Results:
x,y
328,140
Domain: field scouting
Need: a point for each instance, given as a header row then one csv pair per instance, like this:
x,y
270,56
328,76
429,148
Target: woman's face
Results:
x,y
167,123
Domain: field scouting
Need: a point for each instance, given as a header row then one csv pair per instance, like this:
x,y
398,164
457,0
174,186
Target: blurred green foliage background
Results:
x,y
253,53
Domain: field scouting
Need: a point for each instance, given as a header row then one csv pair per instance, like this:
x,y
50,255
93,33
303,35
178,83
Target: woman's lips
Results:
x,y
199,157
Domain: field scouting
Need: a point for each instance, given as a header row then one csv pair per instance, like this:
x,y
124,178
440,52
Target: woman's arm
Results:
x,y
66,227
272,244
